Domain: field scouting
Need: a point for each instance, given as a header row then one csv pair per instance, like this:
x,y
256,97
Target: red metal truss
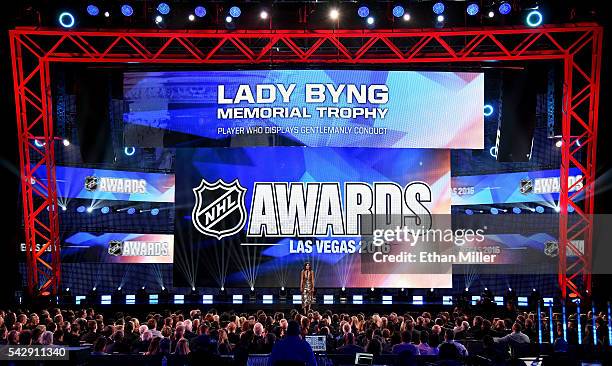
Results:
x,y
577,46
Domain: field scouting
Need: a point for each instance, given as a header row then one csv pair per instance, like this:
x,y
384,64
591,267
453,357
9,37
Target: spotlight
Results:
x,y
191,17
494,211
158,20
557,209
263,15
488,110
559,143
534,18
66,142
539,209
516,210
163,8
131,211
505,8
105,210
469,212
364,11
93,10
200,11
66,20
228,19
570,208
127,10
334,14
155,211
81,209
491,14
64,208
235,11
90,209
38,143
406,17
370,21
472,9
440,18
398,11
129,151
438,8
106,14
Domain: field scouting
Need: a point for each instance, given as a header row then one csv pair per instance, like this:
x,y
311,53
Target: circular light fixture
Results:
x,y
406,17
200,11
488,110
363,11
440,18
66,20
130,150
559,143
235,11
494,211
228,19
398,11
127,10
66,142
491,14
469,212
81,209
158,20
155,211
105,210
106,14
90,209
534,18
505,8
539,209
370,20
191,17
131,211
263,15
163,8
472,9
93,10
334,14
516,210
438,8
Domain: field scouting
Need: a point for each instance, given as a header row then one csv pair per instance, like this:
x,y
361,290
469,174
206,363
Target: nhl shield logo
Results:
x,y
91,183
219,209
115,248
526,186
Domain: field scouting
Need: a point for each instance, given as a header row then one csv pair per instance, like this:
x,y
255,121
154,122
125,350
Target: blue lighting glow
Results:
x,y
105,210
155,211
127,10
539,209
131,211
38,143
494,211
81,209
129,151
163,8
534,18
570,208
66,20
398,11
235,12
363,11
469,212
516,210
472,9
505,8
438,8
488,110
200,11
93,10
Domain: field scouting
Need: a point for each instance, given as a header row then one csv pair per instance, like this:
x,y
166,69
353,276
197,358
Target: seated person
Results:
x,y
406,346
292,348
350,348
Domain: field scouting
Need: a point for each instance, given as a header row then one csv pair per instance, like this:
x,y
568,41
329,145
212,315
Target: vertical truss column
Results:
x,y
31,82
582,66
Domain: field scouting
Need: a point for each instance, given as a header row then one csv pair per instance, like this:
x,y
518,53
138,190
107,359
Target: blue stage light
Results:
x,y
539,209
363,11
472,9
127,10
469,212
494,211
131,211
570,208
505,8
370,21
438,8
38,143
105,210
398,11
235,12
66,20
163,8
155,211
129,151
200,11
81,209
488,110
516,210
93,10
90,209
534,18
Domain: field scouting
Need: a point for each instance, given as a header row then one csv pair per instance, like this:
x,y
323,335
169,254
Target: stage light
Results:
x,y
105,210
191,17
66,142
200,11
155,211
534,18
438,8
163,8
66,20
516,210
364,11
559,143
93,10
63,208
90,209
491,14
130,150
539,209
334,14
263,15
469,212
228,19
158,20
235,11
81,209
557,209
38,143
370,21
472,9
505,8
440,18
398,11
494,211
570,208
132,211
488,110
106,14
406,17
127,10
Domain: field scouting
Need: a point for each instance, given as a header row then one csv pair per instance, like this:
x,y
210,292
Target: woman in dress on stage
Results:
x,y
307,287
